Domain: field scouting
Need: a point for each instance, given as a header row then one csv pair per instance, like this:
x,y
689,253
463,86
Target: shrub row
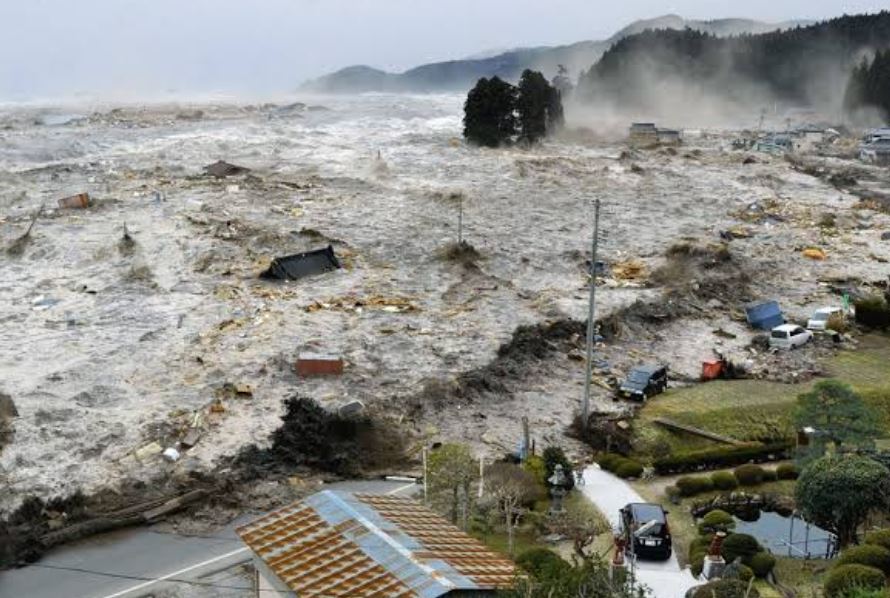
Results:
x,y
621,466
744,475
860,568
721,457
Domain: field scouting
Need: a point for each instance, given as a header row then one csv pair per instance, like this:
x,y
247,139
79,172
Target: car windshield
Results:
x,y
639,376
820,316
779,334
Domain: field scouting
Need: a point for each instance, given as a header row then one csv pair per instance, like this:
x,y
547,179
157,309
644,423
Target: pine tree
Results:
x,y
489,113
539,106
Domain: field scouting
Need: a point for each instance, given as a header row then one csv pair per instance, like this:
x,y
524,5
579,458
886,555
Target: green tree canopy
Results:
x,y
451,470
539,107
837,492
838,415
489,113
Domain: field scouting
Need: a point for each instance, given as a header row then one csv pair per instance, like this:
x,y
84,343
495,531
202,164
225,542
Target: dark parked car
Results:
x,y
646,531
643,382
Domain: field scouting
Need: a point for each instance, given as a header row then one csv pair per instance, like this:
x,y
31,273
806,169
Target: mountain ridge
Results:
x,y
461,74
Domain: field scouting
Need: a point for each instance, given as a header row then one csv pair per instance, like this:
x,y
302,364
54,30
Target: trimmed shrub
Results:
x,y
879,537
726,588
692,485
745,573
716,521
721,457
697,561
629,468
843,579
607,461
770,475
535,465
542,563
870,555
787,471
873,312
740,546
762,563
724,480
749,475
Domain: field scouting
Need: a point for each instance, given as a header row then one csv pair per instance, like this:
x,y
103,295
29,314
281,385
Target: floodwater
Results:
x,y
107,349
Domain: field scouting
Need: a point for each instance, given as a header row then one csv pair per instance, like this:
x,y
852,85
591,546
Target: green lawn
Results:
x,y
755,410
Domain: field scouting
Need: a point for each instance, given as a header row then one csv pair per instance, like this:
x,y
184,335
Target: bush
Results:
x,y
770,475
838,323
692,485
880,537
724,480
725,588
746,574
870,555
749,475
535,465
873,312
762,563
542,563
716,521
845,578
740,546
697,561
721,457
787,471
608,461
629,469
553,456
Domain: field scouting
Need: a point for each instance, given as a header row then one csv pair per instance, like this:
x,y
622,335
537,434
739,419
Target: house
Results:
x,y
643,133
876,135
668,136
361,545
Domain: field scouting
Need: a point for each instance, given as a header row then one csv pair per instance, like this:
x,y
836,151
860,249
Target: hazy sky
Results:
x,y
128,47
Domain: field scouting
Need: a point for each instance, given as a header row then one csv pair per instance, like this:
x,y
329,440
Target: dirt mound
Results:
x,y
315,438
461,253
529,344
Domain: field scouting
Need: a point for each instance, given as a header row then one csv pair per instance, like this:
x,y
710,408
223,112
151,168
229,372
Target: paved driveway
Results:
x,y
665,578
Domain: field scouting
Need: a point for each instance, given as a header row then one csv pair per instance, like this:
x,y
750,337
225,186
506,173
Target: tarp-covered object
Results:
x,y
765,315
294,267
220,169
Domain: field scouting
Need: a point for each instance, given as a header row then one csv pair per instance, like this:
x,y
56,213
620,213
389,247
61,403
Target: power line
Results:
x,y
208,584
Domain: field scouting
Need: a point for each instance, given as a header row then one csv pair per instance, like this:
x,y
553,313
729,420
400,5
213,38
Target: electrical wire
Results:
x,y
191,582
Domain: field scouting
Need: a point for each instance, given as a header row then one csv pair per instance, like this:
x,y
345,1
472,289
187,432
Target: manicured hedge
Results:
x,y
770,475
762,563
870,555
721,457
692,485
716,521
749,475
787,471
740,545
620,466
846,578
879,537
724,480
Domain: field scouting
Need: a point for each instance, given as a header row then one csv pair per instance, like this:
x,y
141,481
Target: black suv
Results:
x,y
645,530
643,382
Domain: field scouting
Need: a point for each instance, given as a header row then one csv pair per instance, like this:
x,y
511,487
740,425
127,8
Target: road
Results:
x,y
665,578
131,563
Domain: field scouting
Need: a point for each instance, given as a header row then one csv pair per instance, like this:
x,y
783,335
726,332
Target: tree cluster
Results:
x,y
869,85
497,113
788,64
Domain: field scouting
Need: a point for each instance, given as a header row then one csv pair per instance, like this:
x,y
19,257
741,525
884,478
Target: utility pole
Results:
x,y
585,405
425,476
460,221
